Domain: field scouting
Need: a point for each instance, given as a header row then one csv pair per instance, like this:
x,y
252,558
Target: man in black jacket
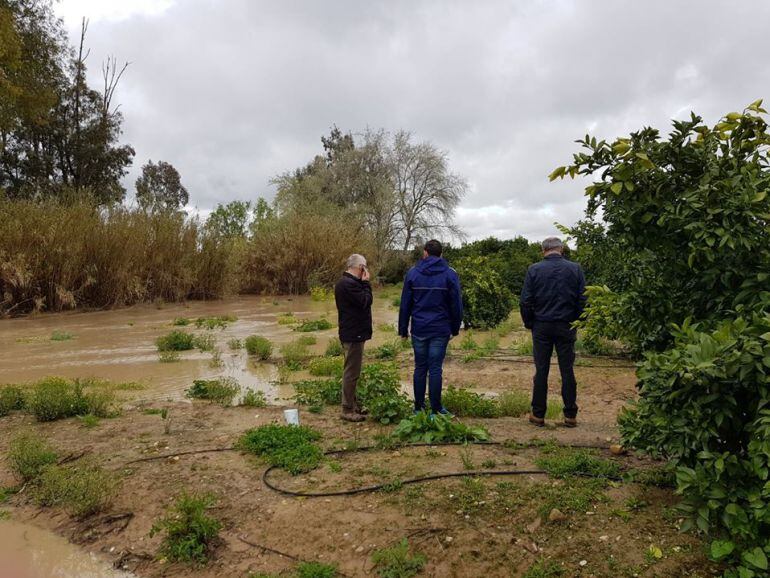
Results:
x,y
353,295
552,298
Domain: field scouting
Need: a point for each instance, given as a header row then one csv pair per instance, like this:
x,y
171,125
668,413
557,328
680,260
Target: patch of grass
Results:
x,y
543,568
181,322
387,327
468,343
318,392
287,319
204,342
168,356
83,488
465,403
306,325
307,339
221,390
315,570
291,448
397,562
215,322
55,398
466,456
235,344
294,354
389,350
189,532
61,336
258,346
319,293
334,348
28,455
11,399
659,476
566,462
571,495
513,403
326,366
523,346
508,326
152,411
175,341
88,420
430,428
254,399
396,302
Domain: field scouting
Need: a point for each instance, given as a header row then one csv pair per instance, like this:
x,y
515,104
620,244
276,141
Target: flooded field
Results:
x,y
120,346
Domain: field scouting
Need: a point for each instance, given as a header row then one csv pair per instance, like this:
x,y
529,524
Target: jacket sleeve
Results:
x,y
405,309
527,302
455,303
582,297
360,293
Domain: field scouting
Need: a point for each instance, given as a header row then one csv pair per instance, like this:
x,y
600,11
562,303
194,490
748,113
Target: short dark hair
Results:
x,y
434,248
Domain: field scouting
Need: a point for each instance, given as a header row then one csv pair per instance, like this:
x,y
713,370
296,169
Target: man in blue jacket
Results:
x,y
432,299
552,298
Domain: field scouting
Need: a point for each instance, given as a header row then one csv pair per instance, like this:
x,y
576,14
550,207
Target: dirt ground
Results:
x,y
469,527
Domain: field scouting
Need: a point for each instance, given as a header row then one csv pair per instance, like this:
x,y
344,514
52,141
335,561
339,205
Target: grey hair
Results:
x,y
355,261
552,244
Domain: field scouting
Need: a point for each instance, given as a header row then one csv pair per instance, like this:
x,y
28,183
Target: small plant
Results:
x,y
379,391
235,344
168,356
565,462
204,342
388,350
216,359
307,340
28,455
89,420
175,341
397,562
437,428
386,327
180,322
56,398
61,336
294,354
396,302
306,326
318,392
524,346
189,533
291,448
221,390
513,403
11,399
326,366
489,464
319,293
254,399
258,346
468,343
211,323
316,570
544,569
334,348
466,457
287,319
464,403
83,488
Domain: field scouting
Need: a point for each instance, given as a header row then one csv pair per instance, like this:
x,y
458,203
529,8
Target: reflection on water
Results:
x,y
119,345
30,552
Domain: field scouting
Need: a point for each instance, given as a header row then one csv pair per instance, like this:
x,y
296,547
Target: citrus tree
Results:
x,y
687,220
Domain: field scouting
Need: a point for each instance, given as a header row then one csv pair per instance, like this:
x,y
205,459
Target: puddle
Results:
x,y
27,551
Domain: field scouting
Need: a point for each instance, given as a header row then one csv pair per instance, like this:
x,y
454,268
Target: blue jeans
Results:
x,y
429,353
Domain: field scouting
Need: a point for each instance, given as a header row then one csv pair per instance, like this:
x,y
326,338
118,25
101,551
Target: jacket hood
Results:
x,y
432,266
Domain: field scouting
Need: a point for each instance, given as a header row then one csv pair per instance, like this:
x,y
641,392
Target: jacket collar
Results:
x,y
346,274
554,256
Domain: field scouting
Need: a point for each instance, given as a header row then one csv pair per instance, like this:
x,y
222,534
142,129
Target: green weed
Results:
x,y
388,350
221,390
294,354
258,346
379,391
397,562
189,533
291,448
175,341
437,428
334,348
513,403
565,462
254,399
465,403
180,322
235,344
468,343
523,346
386,327
306,326
287,319
88,420
315,570
218,322
28,455
326,366
319,293
396,302
61,336
318,392
82,488
55,398
204,342
11,399
543,568
307,339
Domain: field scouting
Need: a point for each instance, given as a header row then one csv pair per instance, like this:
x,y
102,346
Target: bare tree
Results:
x,y
427,193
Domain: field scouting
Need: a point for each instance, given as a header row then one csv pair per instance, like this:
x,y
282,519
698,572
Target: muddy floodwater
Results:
x,y
119,345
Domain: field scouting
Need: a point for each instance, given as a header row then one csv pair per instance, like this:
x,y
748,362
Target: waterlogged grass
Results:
x,y
307,340
189,532
181,322
321,293
294,354
291,448
176,340
218,322
235,344
287,319
258,346
326,366
61,336
28,455
397,561
221,390
168,356
306,326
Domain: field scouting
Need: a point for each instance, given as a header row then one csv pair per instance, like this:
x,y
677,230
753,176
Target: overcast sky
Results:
x,y
233,92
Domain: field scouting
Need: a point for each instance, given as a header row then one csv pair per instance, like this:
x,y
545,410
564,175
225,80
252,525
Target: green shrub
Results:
x,y
204,342
28,455
388,351
326,366
259,346
287,319
11,399
176,341
180,322
437,428
307,339
465,403
83,488
221,390
316,325
468,343
61,336
379,391
487,302
334,348
291,448
318,392
294,355
254,399
315,570
56,398
189,533
396,562
319,293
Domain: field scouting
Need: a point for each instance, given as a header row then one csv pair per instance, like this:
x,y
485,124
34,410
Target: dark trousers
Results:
x,y
429,354
354,355
545,336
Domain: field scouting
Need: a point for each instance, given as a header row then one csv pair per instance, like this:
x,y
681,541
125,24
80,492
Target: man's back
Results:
x,y
431,297
553,291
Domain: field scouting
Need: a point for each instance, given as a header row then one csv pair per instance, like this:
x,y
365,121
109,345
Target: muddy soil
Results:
x,y
485,526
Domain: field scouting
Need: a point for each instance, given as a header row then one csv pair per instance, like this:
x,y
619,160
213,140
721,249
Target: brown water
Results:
x,y
27,551
119,345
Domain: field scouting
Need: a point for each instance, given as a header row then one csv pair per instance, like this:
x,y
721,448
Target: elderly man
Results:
x,y
552,298
353,295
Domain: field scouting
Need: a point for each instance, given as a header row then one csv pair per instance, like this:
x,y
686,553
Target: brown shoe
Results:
x,y
538,421
570,422
352,416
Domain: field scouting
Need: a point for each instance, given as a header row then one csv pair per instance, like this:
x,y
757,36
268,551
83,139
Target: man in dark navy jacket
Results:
x,y
552,298
432,299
